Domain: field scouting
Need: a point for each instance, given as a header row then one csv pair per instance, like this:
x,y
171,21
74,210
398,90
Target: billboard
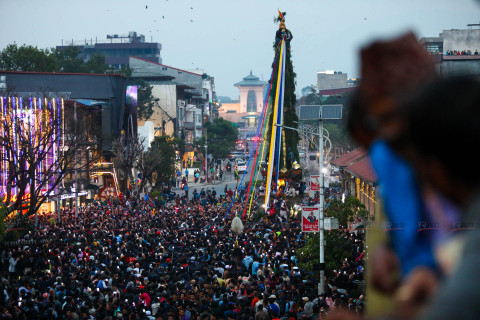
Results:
x,y
310,219
132,98
315,183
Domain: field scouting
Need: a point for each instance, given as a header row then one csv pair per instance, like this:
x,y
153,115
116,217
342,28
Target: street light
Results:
x,y
321,284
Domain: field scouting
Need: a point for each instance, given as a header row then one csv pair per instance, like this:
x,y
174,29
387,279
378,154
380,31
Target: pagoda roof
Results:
x,y
251,80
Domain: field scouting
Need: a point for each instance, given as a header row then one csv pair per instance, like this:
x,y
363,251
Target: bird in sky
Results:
x,y
146,7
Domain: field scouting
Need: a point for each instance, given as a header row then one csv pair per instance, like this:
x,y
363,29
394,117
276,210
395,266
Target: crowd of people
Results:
x,y
460,52
142,259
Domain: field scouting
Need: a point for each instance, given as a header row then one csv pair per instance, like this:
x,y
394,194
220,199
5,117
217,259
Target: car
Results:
x,y
241,166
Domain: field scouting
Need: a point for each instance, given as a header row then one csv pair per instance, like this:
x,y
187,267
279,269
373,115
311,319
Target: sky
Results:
x,y
229,38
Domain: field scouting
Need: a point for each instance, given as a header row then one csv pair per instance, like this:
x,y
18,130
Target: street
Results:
x,y
218,186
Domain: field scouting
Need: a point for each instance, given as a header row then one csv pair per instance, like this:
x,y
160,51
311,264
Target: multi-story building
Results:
x,y
185,100
330,82
246,112
100,104
456,51
117,48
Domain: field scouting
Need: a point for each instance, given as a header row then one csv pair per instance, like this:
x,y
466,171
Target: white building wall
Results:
x,y
146,131
167,95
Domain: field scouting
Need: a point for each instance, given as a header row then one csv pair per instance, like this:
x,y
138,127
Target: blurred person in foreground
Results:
x,y
392,69
439,116
442,116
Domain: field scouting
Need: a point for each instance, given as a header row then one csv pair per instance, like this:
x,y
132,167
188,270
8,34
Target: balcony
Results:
x,y
188,125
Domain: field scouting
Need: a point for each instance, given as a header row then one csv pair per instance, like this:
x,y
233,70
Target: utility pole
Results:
x,y
206,155
76,147
321,280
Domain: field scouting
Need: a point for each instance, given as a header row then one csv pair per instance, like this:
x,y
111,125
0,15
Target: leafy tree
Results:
x,y
346,211
127,151
68,60
27,58
337,248
165,169
96,64
145,102
131,156
221,138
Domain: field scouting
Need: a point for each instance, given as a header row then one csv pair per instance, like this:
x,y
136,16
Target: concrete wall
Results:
x,y
459,65
167,95
461,40
327,81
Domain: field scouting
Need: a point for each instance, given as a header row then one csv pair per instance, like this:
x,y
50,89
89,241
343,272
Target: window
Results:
x,y
251,101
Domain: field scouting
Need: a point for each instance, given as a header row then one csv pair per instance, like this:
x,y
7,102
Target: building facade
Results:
x,y
184,101
358,178
245,113
456,51
118,48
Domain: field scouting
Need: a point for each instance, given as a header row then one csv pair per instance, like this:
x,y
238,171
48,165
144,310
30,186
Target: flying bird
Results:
x,y
146,7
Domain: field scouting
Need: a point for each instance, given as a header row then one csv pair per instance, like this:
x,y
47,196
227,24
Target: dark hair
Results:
x,y
443,121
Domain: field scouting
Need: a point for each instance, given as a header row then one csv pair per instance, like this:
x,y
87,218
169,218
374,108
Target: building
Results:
x,y
245,113
456,51
358,178
117,48
103,97
330,82
185,99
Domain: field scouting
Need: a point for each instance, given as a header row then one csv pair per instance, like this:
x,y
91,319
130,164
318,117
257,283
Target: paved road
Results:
x,y
219,186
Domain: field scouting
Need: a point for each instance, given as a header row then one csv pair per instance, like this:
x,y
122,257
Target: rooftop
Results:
x,y
251,80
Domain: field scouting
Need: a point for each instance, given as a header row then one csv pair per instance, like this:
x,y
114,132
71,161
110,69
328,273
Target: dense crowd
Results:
x,y
460,52
143,259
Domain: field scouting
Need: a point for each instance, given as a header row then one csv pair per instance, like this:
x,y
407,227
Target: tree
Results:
x,y
221,138
145,102
127,150
27,58
346,211
68,60
165,170
38,150
337,248
136,164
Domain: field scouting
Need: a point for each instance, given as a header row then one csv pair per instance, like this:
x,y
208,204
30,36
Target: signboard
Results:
x,y
355,224
72,195
315,183
310,219
330,223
